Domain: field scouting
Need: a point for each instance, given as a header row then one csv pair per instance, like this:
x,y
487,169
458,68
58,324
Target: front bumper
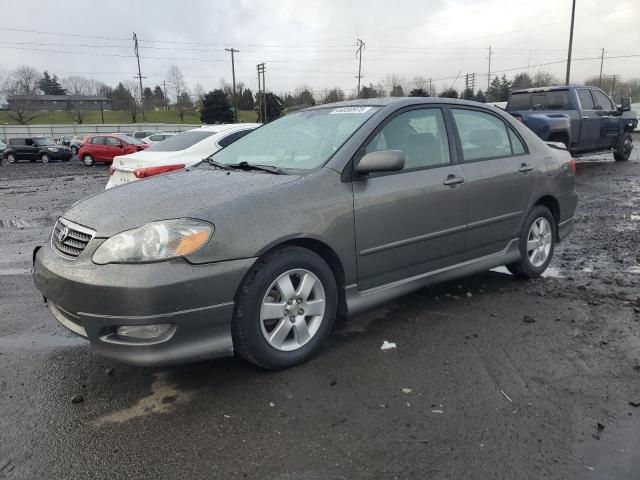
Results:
x,y
93,300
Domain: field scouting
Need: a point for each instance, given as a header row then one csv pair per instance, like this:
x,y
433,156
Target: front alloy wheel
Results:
x,y
285,308
87,160
45,158
11,158
539,242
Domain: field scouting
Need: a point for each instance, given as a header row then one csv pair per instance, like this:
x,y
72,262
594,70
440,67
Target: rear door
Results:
x,y
97,148
112,147
413,221
590,121
30,149
500,175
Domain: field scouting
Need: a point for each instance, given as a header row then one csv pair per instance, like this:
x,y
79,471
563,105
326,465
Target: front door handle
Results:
x,y
452,180
524,168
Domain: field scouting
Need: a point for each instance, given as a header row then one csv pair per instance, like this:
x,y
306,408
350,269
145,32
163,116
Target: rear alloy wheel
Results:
x,y
87,160
11,158
74,151
45,158
623,152
537,242
285,309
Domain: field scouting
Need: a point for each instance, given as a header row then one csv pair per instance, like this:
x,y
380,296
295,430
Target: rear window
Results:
x,y
181,141
130,140
552,100
17,141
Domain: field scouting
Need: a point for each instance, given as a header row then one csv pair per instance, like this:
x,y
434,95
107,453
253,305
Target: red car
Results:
x,y
102,148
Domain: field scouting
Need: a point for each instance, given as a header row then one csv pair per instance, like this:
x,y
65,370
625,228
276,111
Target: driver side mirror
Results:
x,y
383,161
625,104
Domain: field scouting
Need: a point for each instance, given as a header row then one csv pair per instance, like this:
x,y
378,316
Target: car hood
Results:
x,y
194,193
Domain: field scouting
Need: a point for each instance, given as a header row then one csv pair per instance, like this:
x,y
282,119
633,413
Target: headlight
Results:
x,y
155,241
52,149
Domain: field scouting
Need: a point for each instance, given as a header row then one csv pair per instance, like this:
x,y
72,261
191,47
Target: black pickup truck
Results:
x,y
584,119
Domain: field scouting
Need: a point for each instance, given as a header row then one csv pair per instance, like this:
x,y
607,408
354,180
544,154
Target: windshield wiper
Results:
x,y
262,168
221,166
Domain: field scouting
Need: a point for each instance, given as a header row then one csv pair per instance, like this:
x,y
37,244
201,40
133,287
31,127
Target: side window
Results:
x,y
111,142
156,138
97,141
602,101
229,139
482,135
586,101
421,134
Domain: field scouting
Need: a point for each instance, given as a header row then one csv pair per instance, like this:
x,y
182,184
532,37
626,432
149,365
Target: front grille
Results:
x,y
74,240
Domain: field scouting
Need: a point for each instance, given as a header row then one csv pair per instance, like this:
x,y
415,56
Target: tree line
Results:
x,y
216,106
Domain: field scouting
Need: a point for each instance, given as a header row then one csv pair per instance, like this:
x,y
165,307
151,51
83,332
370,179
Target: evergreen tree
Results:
x,y
50,85
216,108
245,101
396,91
505,89
275,107
306,98
479,97
520,81
368,92
336,94
449,93
418,92
493,92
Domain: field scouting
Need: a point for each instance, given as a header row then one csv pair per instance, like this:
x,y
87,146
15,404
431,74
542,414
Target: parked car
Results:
x,y
157,137
584,119
75,143
175,153
103,148
3,146
35,148
334,208
140,134
64,140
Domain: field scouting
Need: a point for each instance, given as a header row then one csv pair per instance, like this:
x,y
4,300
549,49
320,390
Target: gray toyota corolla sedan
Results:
x,y
327,211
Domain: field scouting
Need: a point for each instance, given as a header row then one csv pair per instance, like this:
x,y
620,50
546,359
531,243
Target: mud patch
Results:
x,y
39,341
163,398
17,223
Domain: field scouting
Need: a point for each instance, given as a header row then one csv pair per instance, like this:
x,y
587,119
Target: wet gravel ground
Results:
x,y
473,390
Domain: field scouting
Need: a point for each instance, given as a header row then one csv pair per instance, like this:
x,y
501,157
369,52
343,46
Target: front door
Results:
x,y
500,176
412,221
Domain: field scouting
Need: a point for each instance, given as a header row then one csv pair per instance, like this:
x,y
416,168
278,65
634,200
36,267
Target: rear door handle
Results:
x,y
524,168
452,180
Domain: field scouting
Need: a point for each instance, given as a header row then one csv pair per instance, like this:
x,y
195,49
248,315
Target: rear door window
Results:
x,y
111,142
98,141
484,136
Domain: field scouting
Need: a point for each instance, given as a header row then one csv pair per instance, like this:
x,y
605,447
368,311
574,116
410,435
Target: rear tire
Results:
x,y
11,158
285,308
88,160
625,146
537,243
45,158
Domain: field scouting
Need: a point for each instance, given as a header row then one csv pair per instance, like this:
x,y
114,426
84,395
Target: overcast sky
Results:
x,y
312,42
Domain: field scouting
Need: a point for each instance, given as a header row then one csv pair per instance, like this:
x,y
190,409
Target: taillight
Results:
x,y
151,171
112,170
572,165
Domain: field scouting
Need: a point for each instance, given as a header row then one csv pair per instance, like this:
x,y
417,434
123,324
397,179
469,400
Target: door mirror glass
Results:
x,y
382,161
625,104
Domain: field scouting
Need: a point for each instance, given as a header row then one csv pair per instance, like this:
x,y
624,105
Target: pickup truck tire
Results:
x,y
625,146
537,242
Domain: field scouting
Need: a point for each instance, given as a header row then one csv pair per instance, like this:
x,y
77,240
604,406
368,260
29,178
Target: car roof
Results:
x,y
552,88
224,126
395,101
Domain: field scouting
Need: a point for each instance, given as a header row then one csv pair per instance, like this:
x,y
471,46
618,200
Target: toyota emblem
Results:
x,y
63,234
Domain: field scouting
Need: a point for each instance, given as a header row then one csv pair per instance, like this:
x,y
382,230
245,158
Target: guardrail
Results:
x,y
55,131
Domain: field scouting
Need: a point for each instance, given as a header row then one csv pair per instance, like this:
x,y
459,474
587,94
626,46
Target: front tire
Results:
x,y
625,146
88,160
45,158
285,308
11,158
537,243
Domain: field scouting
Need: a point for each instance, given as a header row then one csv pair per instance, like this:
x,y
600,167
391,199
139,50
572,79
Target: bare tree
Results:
x,y
176,81
76,85
196,96
13,86
543,79
25,81
133,105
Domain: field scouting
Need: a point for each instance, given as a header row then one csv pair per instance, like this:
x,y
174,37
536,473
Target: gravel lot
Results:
x,y
474,390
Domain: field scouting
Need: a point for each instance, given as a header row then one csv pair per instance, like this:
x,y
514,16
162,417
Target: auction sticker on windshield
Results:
x,y
349,110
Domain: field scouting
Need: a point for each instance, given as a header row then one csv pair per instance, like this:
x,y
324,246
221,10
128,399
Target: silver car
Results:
x,y
327,211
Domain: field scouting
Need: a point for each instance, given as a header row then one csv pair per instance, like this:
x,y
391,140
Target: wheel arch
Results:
x,y
553,205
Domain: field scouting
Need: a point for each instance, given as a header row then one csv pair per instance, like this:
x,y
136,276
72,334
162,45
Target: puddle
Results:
x,y
162,399
635,217
635,269
14,271
39,341
20,223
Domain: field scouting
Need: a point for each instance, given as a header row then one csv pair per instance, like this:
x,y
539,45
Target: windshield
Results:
x,y
43,142
130,140
181,141
299,141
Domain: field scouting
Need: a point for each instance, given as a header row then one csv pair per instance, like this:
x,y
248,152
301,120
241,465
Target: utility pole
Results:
x,y
258,96
233,75
164,89
430,90
139,77
601,63
261,69
361,45
489,71
614,79
573,15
